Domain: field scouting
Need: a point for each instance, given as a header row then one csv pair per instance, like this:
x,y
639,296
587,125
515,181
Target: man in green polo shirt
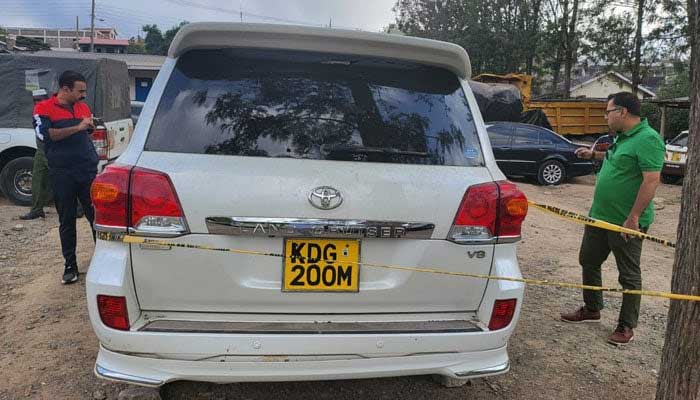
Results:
x,y
623,195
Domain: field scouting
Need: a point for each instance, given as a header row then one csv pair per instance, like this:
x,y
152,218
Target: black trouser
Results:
x,y
597,244
68,188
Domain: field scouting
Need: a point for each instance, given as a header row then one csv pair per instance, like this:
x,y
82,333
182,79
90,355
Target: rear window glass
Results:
x,y
247,102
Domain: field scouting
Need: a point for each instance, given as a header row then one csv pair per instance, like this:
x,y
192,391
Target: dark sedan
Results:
x,y
533,151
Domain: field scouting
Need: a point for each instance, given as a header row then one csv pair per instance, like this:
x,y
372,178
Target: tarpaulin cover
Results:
x,y
535,117
107,85
497,101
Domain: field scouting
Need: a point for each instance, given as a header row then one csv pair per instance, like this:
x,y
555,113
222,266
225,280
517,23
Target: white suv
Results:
x,y
334,148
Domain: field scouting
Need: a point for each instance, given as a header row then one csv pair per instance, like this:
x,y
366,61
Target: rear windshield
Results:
x,y
247,102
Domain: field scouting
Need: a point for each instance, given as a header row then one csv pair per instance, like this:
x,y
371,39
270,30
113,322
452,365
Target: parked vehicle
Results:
x,y
136,107
676,158
335,148
571,117
108,98
533,151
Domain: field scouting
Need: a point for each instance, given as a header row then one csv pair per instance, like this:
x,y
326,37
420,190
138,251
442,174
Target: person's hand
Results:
x,y
632,222
86,123
584,153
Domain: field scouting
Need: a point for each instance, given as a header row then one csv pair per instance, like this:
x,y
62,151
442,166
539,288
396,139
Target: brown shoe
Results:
x,y
621,336
583,314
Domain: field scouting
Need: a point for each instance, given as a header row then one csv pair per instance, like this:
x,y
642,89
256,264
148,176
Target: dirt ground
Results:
x,y
48,349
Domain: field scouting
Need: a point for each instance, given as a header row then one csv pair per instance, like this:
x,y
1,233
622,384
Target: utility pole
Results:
x,y
77,33
330,23
92,28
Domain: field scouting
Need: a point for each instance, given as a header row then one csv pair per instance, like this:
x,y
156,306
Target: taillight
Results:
x,y
476,216
139,200
101,141
512,211
502,314
488,211
113,312
155,208
110,195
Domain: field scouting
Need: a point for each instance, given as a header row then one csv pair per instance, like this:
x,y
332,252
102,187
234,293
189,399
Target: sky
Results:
x,y
128,16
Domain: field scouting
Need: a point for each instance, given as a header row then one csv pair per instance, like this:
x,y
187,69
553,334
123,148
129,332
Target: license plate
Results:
x,y
321,265
675,156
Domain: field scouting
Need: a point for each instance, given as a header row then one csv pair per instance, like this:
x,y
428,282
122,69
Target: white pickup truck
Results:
x,y
17,147
108,98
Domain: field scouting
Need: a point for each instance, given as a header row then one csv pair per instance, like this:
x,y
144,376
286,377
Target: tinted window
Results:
x,y
263,103
550,138
525,136
500,135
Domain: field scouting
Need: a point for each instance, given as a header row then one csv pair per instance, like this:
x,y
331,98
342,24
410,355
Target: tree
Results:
x,y
501,36
31,44
679,375
170,35
676,85
569,40
136,46
158,43
154,39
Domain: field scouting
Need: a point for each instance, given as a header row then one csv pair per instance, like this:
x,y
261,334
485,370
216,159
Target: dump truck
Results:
x,y
570,117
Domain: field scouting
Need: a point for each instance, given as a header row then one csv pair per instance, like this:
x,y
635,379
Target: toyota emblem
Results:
x,y
325,198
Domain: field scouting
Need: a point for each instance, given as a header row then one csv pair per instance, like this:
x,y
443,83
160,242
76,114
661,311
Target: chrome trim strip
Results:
x,y
498,369
110,229
136,232
312,227
310,328
105,373
509,239
491,240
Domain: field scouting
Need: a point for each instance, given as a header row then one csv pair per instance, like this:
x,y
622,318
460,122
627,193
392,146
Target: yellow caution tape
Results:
x,y
156,242
570,215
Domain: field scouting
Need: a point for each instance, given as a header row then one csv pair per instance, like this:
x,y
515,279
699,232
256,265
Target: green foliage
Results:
x,y
158,43
154,39
136,46
678,85
501,36
535,36
31,44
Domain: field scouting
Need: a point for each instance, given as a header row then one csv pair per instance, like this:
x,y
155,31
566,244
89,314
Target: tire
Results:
x,y
16,180
551,172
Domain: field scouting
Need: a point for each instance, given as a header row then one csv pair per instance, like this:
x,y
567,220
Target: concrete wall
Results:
x,y
603,87
137,73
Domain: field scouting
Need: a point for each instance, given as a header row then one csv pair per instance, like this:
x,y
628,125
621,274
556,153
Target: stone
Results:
x,y
18,227
99,395
449,382
139,393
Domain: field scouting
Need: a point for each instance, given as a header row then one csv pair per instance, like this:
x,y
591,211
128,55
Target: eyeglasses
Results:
x,y
613,110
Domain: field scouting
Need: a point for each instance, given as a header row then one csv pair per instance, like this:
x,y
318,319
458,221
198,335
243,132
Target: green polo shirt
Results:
x,y
638,150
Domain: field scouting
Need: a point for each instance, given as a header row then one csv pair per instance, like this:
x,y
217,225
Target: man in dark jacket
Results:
x,y
65,122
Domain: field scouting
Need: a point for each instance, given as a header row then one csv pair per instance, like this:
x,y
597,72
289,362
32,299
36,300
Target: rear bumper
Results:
x,y
673,169
155,372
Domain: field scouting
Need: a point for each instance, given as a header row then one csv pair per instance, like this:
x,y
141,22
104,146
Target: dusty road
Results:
x,y
47,348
